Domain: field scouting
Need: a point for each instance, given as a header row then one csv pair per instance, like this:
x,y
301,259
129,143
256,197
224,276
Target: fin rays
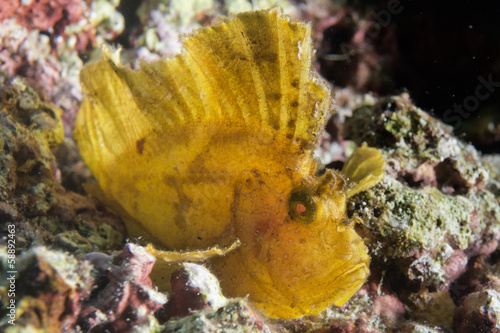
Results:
x,y
250,70
256,75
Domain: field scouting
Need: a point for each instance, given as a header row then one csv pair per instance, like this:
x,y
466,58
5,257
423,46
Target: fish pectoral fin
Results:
x,y
364,169
200,255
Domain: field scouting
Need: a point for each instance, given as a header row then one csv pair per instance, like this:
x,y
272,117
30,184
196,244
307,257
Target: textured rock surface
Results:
x,y
31,196
55,292
433,206
41,40
433,212
237,316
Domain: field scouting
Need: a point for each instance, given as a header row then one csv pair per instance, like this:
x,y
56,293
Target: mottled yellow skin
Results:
x,y
216,145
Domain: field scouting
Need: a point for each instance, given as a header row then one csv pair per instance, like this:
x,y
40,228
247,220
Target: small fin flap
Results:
x,y
134,230
364,169
201,255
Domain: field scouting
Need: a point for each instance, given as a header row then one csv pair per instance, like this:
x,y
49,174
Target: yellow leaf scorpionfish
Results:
x,y
214,147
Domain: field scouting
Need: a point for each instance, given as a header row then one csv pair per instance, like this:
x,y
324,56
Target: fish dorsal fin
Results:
x,y
251,70
364,169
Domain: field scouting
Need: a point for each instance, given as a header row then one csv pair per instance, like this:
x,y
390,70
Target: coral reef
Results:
x,y
435,211
434,198
31,195
58,293
492,164
356,51
40,41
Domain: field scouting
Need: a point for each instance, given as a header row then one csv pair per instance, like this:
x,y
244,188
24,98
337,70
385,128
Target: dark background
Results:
x,y
435,50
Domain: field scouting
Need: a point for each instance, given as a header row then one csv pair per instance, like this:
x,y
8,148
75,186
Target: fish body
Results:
x,y
216,146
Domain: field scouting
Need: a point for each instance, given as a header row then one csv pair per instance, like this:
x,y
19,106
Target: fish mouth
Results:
x,y
349,280
284,305
315,293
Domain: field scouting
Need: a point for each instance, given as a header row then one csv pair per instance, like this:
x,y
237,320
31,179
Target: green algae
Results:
x,y
433,210
30,191
424,217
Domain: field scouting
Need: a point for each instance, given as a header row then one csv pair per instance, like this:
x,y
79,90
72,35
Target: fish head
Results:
x,y
299,252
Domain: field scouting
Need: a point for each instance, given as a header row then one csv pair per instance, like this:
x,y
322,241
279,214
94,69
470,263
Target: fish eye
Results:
x,y
302,207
